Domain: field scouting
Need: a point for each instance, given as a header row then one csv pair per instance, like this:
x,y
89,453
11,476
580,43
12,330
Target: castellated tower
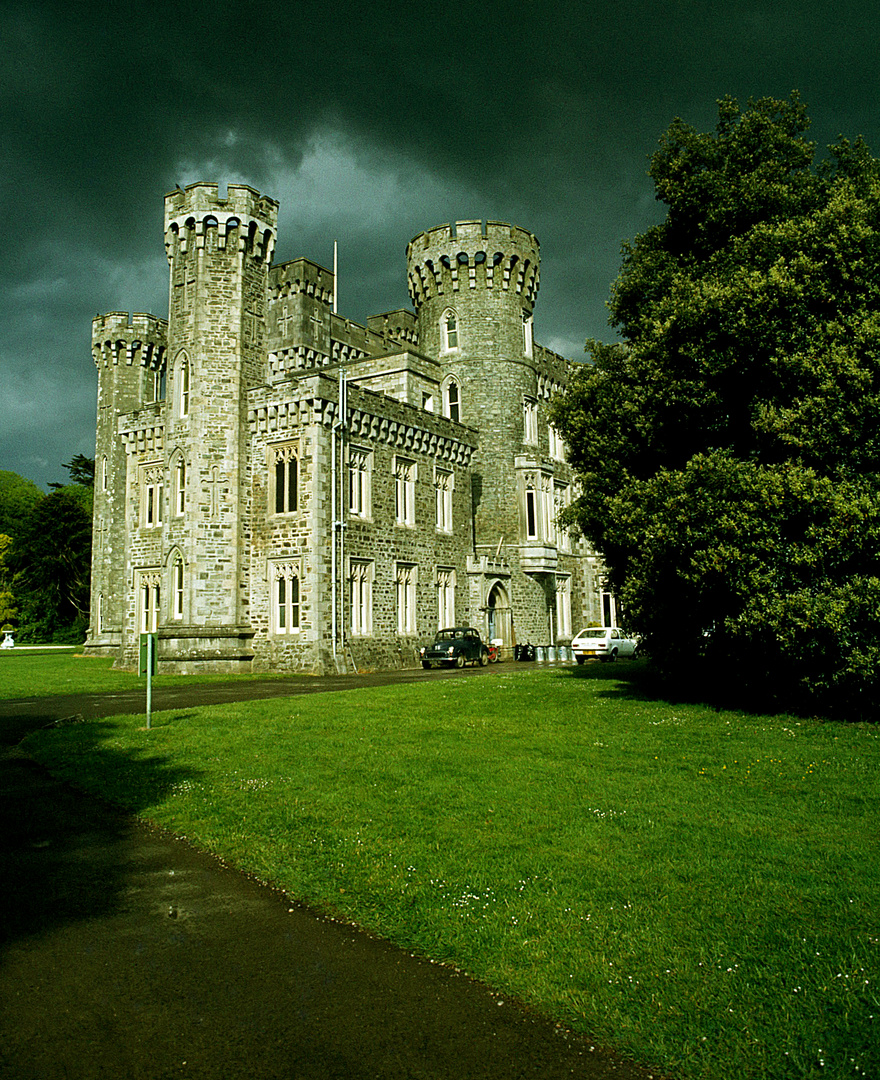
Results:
x,y
131,357
474,294
474,290
281,488
219,251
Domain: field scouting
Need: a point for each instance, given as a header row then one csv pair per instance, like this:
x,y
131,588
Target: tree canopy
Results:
x,y
728,446
17,498
45,560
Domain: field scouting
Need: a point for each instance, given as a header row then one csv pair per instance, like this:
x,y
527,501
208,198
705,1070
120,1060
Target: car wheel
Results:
x,y
579,659
459,660
426,664
484,659
613,655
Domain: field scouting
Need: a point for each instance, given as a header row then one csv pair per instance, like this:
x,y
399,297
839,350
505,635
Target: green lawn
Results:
x,y
28,674
698,889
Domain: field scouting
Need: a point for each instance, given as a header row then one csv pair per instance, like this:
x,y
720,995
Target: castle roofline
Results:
x,y
501,231
302,259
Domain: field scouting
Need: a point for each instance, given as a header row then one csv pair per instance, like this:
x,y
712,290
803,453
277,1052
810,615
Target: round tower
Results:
x,y
130,355
474,291
487,277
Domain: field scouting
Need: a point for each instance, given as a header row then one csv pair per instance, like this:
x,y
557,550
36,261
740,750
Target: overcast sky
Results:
x,y
369,121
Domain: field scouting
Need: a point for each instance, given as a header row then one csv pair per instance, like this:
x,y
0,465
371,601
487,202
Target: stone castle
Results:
x,y
281,489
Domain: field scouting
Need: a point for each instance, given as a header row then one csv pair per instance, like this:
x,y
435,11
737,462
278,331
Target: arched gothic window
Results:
x,y
449,331
452,400
179,485
182,386
285,598
285,479
178,578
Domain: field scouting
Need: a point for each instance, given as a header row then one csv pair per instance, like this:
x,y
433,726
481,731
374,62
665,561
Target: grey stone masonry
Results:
x,y
280,488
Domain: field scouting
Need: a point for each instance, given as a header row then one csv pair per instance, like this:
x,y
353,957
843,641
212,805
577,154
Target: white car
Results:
x,y
604,643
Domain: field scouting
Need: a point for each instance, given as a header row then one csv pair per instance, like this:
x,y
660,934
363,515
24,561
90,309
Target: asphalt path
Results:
x,y
126,952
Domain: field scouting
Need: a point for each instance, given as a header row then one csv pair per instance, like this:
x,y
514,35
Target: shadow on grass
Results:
x,y
67,856
638,680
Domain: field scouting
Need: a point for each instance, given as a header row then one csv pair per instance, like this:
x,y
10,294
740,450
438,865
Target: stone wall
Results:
x,y
243,384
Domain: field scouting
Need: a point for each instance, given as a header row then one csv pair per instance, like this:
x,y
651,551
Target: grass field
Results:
x,y
26,673
697,889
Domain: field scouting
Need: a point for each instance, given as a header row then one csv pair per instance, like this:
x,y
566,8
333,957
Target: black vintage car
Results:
x,y
455,647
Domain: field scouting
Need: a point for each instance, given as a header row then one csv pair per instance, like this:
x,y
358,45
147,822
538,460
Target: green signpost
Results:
x,y
147,666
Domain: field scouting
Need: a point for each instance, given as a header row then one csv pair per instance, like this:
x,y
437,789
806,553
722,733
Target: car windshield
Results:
x,y
447,635
599,632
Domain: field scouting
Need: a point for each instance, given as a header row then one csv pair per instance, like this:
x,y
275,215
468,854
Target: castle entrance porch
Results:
x,y
498,620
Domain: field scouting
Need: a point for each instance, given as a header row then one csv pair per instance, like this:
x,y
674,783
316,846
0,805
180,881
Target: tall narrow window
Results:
x,y
180,487
285,598
548,516
530,420
285,479
361,593
104,475
148,600
405,492
561,500
443,484
445,597
152,493
531,508
609,609
360,466
449,335
453,401
183,388
527,334
563,606
177,580
406,598
157,379
556,443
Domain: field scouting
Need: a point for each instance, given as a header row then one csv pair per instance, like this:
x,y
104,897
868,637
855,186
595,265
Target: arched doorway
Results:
x,y
498,622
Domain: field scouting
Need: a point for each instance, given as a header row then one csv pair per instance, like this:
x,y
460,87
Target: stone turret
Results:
x,y
218,251
474,291
130,353
487,276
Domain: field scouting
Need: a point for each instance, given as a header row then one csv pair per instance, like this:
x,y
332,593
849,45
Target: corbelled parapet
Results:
x,y
397,325
132,340
198,216
302,276
448,260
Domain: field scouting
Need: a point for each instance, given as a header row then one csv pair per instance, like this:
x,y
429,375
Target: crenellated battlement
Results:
x,y
499,232
244,221
138,340
396,326
301,276
259,453
450,259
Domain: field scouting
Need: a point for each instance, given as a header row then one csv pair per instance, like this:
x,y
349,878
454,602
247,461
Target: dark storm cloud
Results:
x,y
370,122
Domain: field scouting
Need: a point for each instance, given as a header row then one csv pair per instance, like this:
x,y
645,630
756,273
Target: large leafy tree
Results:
x,y
49,559
729,445
18,496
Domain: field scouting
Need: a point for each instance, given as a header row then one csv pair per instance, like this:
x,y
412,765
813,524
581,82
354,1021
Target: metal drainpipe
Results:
x,y
343,418
333,540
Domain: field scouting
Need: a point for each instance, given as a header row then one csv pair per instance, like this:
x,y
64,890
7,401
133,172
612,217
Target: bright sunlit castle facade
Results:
x,y
280,488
